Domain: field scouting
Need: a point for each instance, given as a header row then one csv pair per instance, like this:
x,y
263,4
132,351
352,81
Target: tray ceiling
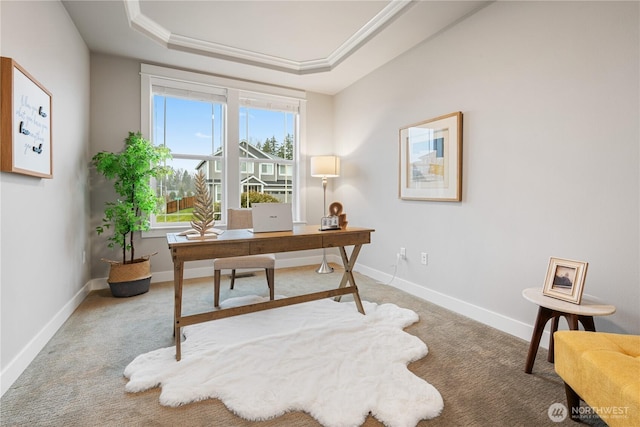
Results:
x,y
322,46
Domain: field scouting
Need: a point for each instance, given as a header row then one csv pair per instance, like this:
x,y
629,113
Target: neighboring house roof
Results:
x,y
254,152
254,180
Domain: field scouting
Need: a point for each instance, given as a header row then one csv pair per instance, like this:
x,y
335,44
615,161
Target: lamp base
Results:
x,y
324,267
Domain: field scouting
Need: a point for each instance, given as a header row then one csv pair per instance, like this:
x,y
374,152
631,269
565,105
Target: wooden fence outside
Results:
x,y
178,205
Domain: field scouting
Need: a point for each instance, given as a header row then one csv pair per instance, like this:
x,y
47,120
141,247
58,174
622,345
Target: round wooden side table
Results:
x,y
553,308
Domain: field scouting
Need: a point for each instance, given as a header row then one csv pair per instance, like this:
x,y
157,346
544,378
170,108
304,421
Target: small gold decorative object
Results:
x,y
336,219
335,209
202,222
342,221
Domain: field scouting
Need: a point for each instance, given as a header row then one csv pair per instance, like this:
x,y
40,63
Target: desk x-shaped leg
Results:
x,y
347,276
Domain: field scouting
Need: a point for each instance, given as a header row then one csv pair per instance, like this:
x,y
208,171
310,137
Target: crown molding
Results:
x,y
147,26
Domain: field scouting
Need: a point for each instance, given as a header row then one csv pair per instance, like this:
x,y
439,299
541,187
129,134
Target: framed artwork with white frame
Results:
x,y
431,159
565,279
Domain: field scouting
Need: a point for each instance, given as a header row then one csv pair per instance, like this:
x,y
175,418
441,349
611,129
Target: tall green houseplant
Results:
x,y
131,171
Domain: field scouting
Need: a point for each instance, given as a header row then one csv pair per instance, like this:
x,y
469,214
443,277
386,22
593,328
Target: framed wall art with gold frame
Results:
x,y
25,136
431,159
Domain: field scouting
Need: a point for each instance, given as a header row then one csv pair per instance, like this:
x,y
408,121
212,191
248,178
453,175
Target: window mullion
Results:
x,y
232,150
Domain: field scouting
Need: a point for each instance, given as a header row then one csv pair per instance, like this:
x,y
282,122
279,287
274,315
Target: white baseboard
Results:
x,y
19,363
490,318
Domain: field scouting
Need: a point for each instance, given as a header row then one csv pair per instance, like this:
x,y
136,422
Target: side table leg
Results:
x,y
572,321
544,314
554,328
587,323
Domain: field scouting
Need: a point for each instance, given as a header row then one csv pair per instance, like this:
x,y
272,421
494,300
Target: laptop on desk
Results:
x,y
267,217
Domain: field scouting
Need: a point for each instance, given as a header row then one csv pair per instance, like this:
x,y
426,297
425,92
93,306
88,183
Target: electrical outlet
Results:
x,y
403,253
424,258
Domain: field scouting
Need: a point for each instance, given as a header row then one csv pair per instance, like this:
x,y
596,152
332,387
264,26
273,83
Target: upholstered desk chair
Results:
x,y
237,219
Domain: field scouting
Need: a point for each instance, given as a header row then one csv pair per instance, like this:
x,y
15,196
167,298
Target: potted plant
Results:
x,y
131,171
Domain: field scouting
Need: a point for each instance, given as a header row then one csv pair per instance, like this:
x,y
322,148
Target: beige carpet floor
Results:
x,y
77,379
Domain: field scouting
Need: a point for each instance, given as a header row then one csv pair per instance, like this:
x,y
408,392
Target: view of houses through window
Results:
x,y
194,127
266,162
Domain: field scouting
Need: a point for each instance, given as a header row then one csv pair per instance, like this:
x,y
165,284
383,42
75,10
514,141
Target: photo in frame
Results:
x,y
565,279
25,136
431,159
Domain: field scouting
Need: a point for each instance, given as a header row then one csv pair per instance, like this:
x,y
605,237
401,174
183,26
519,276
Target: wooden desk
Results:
x,y
553,308
243,242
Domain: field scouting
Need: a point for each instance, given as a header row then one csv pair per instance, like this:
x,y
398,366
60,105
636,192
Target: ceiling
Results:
x,y
321,46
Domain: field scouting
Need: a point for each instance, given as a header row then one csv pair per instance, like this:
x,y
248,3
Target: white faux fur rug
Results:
x,y
320,357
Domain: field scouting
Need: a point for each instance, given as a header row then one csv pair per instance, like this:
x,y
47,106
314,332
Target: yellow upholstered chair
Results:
x,y
238,219
603,370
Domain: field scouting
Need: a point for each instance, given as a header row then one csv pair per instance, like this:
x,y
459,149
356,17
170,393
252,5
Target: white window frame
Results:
x,y
238,93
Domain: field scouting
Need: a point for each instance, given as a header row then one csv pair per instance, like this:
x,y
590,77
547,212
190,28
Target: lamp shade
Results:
x,y
325,166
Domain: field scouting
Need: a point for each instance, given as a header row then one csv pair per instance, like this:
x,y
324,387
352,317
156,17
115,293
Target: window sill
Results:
x,y
161,232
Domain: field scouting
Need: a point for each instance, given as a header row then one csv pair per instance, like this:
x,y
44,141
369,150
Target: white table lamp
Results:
x,y
325,167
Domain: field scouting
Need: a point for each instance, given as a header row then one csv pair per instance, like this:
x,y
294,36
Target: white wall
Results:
x,y
115,111
44,221
550,97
